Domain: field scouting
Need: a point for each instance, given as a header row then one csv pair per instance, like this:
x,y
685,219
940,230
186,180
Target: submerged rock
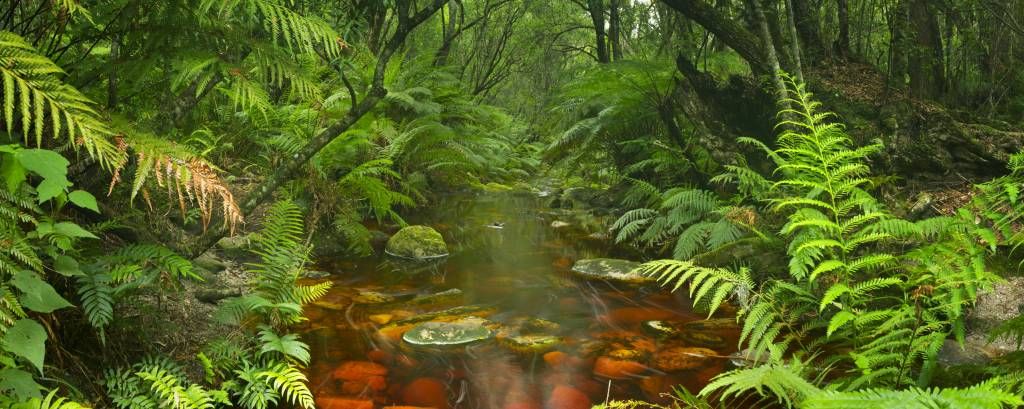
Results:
x,y
703,339
610,269
372,297
529,343
417,242
714,324
682,358
437,334
659,329
614,368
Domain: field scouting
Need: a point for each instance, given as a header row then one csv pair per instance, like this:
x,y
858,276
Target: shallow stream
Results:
x,y
561,341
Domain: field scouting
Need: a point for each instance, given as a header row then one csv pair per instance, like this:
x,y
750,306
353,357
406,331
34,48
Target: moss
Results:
x,y
417,242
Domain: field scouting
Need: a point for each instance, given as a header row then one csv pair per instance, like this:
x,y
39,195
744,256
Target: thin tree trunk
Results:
x,y
806,21
115,49
795,41
769,50
926,67
596,8
842,44
615,30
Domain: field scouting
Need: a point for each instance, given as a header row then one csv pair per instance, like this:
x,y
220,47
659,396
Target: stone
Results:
x,y
372,297
567,397
714,324
210,262
558,224
417,242
362,371
381,319
636,315
334,402
530,343
703,339
682,358
315,274
428,392
612,368
610,269
448,334
659,329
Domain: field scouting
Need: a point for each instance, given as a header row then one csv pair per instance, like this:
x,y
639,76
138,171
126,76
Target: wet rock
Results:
x,y
567,397
315,274
417,242
612,368
659,329
396,329
703,339
540,325
427,392
445,335
971,353
610,269
372,297
682,358
443,297
334,402
1003,302
380,319
714,324
636,315
558,224
363,371
530,343
378,240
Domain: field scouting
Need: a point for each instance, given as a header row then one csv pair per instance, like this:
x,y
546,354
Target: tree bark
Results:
x,y
926,66
745,43
406,23
773,60
615,30
842,44
596,8
795,40
805,16
899,31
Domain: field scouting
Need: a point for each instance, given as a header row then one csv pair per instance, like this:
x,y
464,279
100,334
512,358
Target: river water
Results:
x,y
518,277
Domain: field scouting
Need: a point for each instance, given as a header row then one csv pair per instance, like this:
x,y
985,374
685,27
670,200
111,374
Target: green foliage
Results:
x,y
691,221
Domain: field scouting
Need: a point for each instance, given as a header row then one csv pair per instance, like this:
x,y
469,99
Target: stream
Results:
x,y
552,339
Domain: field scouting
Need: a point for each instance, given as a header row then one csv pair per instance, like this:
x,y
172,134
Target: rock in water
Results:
x,y
445,335
610,269
417,242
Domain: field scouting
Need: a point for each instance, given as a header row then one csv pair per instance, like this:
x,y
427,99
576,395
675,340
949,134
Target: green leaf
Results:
x,y
838,320
11,171
51,188
27,339
72,230
45,163
19,384
84,200
37,295
67,266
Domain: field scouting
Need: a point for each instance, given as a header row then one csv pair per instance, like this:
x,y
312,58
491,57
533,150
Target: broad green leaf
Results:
x,y
38,295
84,200
45,163
51,188
72,230
11,171
67,266
19,384
27,339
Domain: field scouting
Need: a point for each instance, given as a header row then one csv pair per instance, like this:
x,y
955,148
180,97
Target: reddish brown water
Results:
x,y
520,271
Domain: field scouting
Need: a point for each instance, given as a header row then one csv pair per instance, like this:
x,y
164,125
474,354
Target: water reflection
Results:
x,y
516,278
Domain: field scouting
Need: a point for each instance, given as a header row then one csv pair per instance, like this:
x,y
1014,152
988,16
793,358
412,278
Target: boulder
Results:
x,y
417,242
682,358
610,269
446,335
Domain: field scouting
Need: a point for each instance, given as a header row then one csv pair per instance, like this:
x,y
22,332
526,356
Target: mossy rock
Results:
x,y
445,335
610,269
417,242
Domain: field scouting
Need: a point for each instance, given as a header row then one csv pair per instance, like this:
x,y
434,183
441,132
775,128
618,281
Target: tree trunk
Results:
x,y
926,56
615,30
805,16
899,31
795,40
842,44
596,8
745,43
448,34
769,48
